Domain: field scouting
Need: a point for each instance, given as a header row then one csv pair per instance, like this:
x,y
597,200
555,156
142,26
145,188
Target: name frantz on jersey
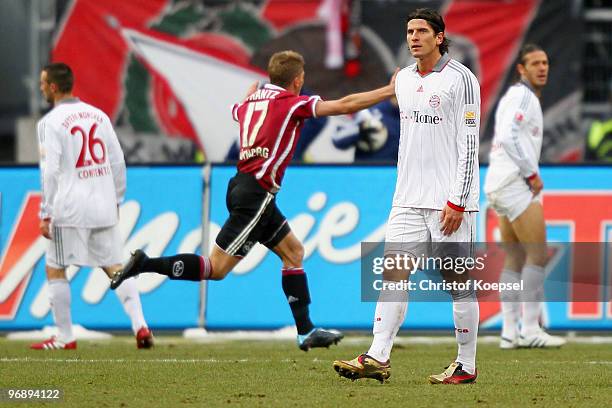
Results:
x,y
263,93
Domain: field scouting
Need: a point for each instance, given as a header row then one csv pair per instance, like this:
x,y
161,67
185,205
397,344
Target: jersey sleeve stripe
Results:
x,y
470,79
315,99
235,111
55,242
525,101
465,86
469,98
514,131
469,176
463,186
472,162
466,175
467,81
41,140
469,167
265,166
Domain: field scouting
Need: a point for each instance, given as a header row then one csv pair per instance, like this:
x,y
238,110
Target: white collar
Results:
x,y
275,87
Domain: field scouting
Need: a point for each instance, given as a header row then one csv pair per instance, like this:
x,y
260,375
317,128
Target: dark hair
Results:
x,y
61,75
284,67
526,49
435,21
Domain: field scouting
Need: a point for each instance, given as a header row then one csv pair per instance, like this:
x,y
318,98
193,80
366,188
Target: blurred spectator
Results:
x,y
599,139
374,133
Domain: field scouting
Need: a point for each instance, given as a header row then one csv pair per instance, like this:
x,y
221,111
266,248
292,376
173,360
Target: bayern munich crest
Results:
x,y
434,101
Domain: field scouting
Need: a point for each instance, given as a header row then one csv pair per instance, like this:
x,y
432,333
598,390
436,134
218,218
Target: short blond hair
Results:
x,y
284,67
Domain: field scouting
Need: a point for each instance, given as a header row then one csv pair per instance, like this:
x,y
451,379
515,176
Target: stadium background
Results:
x,y
166,71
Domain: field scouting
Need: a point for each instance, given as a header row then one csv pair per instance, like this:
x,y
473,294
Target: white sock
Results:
x,y
466,316
129,297
59,297
389,316
532,297
510,305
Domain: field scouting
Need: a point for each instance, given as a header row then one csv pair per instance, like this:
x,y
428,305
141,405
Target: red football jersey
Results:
x,y
270,123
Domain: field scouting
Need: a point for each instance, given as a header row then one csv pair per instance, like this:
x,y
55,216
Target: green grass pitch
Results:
x,y
180,373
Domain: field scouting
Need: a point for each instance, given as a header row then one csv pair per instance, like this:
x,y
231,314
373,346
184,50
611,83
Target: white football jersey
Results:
x,y
517,142
439,137
82,166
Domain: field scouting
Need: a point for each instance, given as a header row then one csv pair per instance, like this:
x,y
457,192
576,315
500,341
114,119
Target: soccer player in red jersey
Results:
x,y
270,122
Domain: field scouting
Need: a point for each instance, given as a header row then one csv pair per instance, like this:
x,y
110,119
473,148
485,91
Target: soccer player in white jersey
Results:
x,y
436,195
83,180
513,187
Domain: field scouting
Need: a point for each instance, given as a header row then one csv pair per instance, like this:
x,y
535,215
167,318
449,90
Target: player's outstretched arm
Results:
x,y
252,89
356,102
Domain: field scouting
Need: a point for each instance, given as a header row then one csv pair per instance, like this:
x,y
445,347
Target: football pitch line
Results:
x,y
351,340
148,360
486,339
221,361
137,360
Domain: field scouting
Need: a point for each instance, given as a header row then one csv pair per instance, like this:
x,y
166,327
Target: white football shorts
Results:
x,y
84,247
409,228
512,200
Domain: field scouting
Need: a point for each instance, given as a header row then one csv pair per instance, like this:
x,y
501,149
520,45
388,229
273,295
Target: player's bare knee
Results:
x,y
514,264
293,258
219,267
298,253
221,263
218,272
396,267
395,275
538,259
292,255
537,254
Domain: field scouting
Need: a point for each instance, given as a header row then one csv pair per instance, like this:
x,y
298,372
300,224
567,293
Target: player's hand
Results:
x,y
45,226
450,220
535,184
252,89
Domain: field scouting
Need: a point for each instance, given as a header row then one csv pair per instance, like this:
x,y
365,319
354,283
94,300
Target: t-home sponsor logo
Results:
x,y
418,117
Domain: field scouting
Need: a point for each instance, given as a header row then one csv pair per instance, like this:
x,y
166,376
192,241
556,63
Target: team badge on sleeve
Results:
x,y
470,118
